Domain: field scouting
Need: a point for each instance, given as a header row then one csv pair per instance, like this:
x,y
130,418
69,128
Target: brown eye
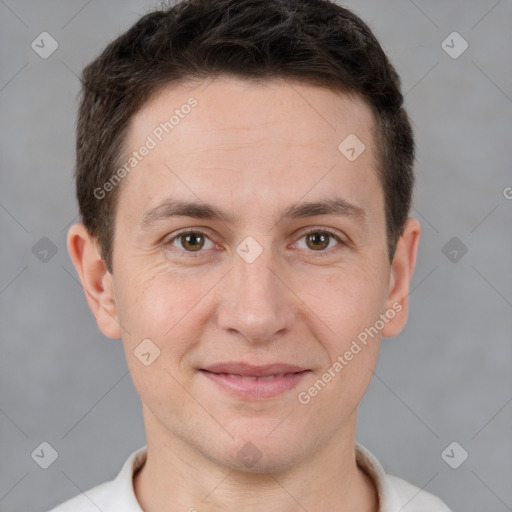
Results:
x,y
190,242
318,240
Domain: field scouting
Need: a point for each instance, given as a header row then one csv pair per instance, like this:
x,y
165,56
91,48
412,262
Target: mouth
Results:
x,y
255,382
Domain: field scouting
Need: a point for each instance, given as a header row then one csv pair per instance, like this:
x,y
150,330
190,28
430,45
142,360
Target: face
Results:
x,y
255,279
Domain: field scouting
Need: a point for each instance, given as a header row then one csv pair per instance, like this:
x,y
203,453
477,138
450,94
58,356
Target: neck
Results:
x,y
177,477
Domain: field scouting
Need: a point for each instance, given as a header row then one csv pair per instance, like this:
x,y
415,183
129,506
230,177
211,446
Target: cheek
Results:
x,y
347,299
167,307
155,297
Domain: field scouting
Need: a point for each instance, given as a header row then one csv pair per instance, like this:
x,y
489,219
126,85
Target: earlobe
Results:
x,y
96,280
402,269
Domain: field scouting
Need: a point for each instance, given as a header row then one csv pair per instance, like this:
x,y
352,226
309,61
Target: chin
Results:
x,y
255,451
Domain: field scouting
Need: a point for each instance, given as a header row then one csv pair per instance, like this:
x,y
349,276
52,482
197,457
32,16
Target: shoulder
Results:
x,y
112,496
89,501
414,499
394,493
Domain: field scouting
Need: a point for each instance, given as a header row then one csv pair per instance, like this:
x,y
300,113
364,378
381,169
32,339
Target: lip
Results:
x,y
255,382
249,370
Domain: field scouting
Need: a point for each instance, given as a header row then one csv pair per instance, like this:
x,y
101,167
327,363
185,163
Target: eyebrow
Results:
x,y
170,208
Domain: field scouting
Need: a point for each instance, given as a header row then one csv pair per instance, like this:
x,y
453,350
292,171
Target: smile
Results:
x,y
255,382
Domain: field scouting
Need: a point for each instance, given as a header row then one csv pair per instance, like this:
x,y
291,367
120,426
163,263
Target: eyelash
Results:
x,y
195,254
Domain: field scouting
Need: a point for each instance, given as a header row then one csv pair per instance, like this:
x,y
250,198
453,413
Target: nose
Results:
x,y
256,302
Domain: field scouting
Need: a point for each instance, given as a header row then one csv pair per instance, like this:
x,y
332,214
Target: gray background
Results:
x,y
445,378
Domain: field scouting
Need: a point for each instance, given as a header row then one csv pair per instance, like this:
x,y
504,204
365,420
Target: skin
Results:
x,y
251,150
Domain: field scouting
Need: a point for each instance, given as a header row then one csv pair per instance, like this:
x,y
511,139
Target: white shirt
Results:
x,y
395,494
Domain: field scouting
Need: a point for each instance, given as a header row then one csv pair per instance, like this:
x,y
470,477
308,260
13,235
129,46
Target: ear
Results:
x,y
402,267
97,282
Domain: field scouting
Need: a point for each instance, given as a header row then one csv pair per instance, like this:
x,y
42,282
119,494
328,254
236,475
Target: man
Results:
x,y
244,176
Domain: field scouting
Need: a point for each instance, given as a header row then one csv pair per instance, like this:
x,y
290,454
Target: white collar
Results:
x,y
394,493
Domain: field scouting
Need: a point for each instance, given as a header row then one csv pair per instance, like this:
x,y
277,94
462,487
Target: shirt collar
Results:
x,y
388,499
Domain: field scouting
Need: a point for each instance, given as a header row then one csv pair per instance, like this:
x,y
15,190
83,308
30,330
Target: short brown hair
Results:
x,y
312,41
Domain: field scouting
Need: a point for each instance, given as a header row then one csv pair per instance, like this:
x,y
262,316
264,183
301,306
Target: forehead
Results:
x,y
272,137
232,109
